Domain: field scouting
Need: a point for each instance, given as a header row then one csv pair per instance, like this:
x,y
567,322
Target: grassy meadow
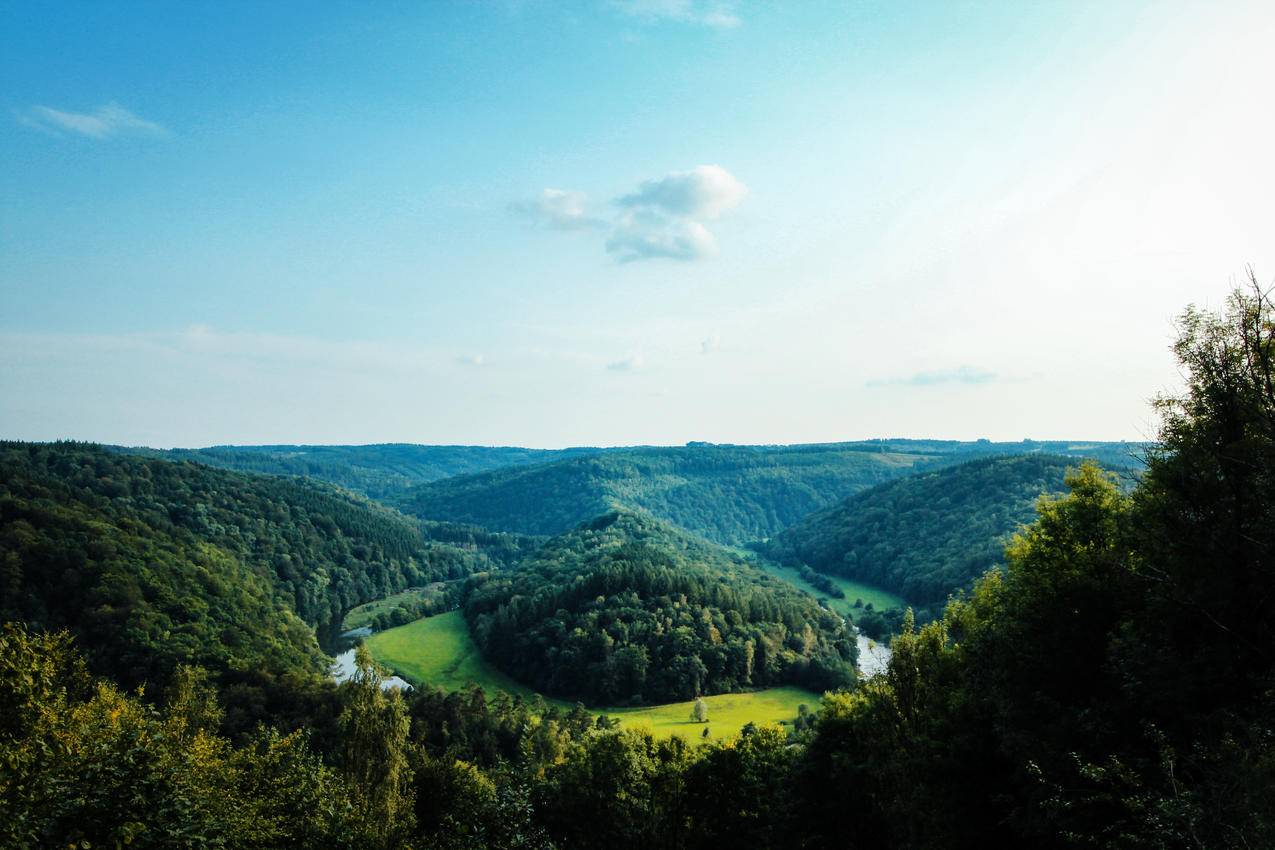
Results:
x,y
878,598
439,651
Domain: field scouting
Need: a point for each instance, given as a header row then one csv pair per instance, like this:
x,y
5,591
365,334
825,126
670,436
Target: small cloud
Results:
x,y
713,343
959,375
717,15
629,364
664,218
103,123
560,209
471,360
646,235
703,193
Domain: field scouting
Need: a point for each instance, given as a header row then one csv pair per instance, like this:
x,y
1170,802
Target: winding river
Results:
x,y
343,665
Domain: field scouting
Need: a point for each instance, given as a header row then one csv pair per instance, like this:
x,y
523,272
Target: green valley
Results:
x,y
438,651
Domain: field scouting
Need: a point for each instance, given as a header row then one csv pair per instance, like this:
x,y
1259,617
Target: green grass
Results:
x,y
439,651
880,599
365,614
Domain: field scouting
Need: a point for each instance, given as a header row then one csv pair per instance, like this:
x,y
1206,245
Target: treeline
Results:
x,y
821,582
154,563
628,610
927,535
381,471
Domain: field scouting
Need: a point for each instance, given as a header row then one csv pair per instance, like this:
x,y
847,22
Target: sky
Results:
x,y
619,222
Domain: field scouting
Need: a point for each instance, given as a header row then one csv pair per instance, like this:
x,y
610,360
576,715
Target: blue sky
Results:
x,y
618,222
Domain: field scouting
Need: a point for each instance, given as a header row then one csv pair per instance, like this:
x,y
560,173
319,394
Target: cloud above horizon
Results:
x,y
960,375
716,15
107,121
663,218
560,209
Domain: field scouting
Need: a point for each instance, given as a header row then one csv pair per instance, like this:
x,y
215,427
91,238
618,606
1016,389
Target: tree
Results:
x,y
374,727
699,711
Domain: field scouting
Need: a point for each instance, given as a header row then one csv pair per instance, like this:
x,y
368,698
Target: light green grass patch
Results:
x,y
727,713
365,614
439,651
879,599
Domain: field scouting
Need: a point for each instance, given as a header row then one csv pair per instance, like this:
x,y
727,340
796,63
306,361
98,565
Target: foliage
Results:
x,y
1113,687
374,727
728,494
86,765
927,535
403,607
153,563
378,471
626,609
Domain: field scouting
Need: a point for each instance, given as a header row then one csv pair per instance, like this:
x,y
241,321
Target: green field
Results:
x,y
879,599
439,651
364,614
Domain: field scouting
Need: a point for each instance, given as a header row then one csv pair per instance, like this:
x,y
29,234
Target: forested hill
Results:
x,y
926,535
627,609
152,562
379,471
727,494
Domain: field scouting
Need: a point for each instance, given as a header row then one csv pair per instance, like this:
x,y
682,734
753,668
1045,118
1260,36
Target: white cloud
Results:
x,y
703,193
713,343
718,15
103,123
647,234
471,360
629,364
561,209
663,218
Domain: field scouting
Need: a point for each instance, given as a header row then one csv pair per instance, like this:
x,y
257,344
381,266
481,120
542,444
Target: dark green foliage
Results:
x,y
153,563
926,535
626,609
728,494
1114,686
821,582
379,471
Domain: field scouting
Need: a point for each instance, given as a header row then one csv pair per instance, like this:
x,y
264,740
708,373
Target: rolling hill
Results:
x,y
727,494
626,609
926,535
379,471
152,563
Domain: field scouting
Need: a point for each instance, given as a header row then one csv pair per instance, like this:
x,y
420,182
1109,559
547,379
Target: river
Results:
x,y
343,665
873,657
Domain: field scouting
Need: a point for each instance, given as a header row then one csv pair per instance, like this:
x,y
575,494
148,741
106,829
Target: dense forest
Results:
x,y
927,535
1113,686
727,494
382,471
627,610
152,563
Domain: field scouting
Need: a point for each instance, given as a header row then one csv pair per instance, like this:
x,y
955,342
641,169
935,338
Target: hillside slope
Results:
x,y
727,494
626,609
153,563
926,535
